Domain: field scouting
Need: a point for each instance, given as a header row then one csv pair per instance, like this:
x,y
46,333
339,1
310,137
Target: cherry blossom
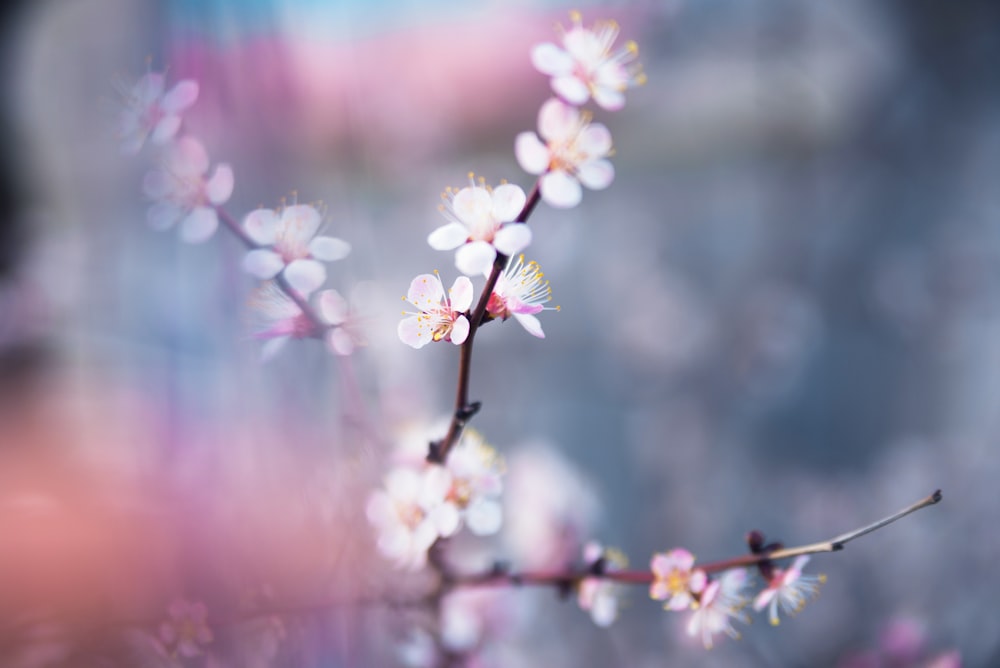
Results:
x,y
570,152
521,291
184,195
674,580
475,483
150,113
481,225
291,245
280,319
788,589
585,66
600,596
410,513
440,317
186,630
345,333
719,603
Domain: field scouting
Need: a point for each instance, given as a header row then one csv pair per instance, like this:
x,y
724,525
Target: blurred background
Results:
x,y
783,315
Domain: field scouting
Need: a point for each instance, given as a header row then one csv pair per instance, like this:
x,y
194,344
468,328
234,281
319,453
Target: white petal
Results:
x,y
165,129
435,484
460,330
472,205
484,517
461,294
271,347
508,200
411,333
329,249
571,89
531,153
220,187
595,140
550,59
340,342
609,98
475,258
261,225
425,292
181,96
557,121
531,324
448,236
305,275
199,225
596,174
604,611
512,238
163,215
561,190
332,307
301,221
446,519
263,263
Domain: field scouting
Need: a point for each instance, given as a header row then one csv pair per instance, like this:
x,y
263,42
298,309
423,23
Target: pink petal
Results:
x,y
305,275
561,190
461,294
332,307
512,238
425,292
263,263
199,225
596,174
189,156
413,333
550,59
340,342
220,187
530,324
557,121
595,140
460,330
261,225
446,520
658,591
180,97
435,484
508,200
472,205
301,221
165,129
531,153
475,258
329,249
571,89
448,236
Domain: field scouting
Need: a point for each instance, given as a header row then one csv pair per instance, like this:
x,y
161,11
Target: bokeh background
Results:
x,y
783,315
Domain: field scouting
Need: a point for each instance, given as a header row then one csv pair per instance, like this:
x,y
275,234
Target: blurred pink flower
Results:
x,y
186,630
720,602
675,580
150,113
345,334
440,317
788,589
280,319
521,291
476,484
599,596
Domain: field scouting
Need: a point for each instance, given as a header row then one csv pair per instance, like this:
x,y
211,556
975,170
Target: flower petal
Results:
x,y
329,249
448,236
188,156
199,225
301,221
512,238
530,324
561,190
595,140
460,330
508,200
460,294
531,153
412,333
332,307
609,98
472,205
484,517
263,263
180,97
271,347
219,188
558,121
165,129
261,225
571,89
596,174
475,258
305,275
550,59
425,292
340,342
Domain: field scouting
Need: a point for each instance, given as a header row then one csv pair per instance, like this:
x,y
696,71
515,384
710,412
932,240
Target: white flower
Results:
x,y
291,246
601,596
411,513
475,483
150,113
521,291
280,319
675,579
184,194
585,67
788,589
571,151
440,317
345,333
481,224
720,602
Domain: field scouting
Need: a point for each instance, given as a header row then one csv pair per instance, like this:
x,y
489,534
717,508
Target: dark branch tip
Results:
x,y
936,496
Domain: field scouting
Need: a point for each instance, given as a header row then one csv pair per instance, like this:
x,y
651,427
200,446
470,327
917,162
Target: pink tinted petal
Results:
x,y
508,200
530,324
484,517
513,238
157,184
271,348
412,333
261,225
550,59
189,156
220,187
448,236
165,129
557,121
681,601
332,307
305,275
435,485
180,97
263,263
461,294
658,591
561,190
763,599
595,140
571,89
446,519
531,153
596,174
340,342
475,258
301,221
472,205
329,249
163,215
609,98
460,330
661,564
425,291
199,225
698,578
